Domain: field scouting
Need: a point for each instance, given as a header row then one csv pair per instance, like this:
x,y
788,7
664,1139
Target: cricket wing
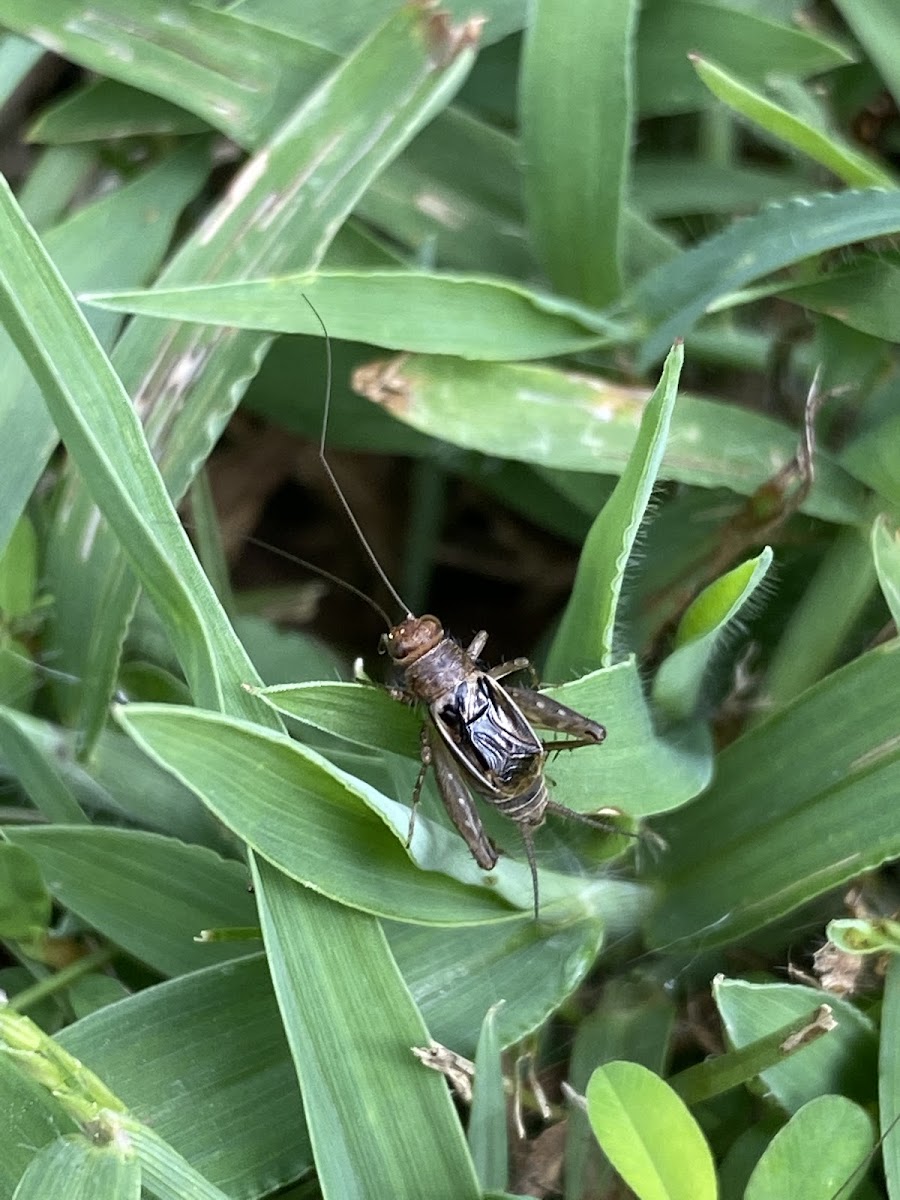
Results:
x,y
488,735
459,803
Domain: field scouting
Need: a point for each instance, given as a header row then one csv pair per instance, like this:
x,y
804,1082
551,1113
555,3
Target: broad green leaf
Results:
x,y
319,825
126,233
106,109
889,1074
104,437
855,169
648,1134
748,43
573,422
240,78
470,316
151,895
248,1133
319,163
816,1154
18,571
24,900
886,552
350,1023
488,1118
877,25
678,685
673,297
781,822
576,95
586,634
75,1168
843,1059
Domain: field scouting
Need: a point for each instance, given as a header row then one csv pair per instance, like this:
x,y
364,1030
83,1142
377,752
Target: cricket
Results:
x,y
481,734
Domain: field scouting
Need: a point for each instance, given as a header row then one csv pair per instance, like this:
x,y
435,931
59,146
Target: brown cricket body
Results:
x,y
480,737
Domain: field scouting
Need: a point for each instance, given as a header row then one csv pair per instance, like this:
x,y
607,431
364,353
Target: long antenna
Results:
x,y
326,466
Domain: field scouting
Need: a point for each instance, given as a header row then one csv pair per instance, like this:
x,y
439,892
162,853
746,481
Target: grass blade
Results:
x,y
371,1107
576,94
586,632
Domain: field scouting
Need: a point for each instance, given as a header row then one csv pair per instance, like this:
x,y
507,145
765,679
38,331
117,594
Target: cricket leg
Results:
x,y
425,755
510,668
459,803
477,644
547,713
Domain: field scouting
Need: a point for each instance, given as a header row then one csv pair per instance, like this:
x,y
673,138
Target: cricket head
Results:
x,y
412,638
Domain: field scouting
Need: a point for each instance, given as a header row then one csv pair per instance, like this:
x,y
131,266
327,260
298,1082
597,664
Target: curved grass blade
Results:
x,y
103,435
350,1024
323,827
855,169
886,552
678,685
475,317
240,78
248,1134
585,638
782,822
673,297
578,422
151,895
488,1121
126,232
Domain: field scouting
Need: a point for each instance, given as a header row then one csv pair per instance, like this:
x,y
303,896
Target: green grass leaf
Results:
x,y
889,1073
855,169
470,316
586,634
125,232
677,688
149,894
371,1106
248,1134
318,163
578,422
648,1134
673,297
877,25
781,823
107,109
74,1167
328,830
747,42
488,1120
843,1060
577,112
